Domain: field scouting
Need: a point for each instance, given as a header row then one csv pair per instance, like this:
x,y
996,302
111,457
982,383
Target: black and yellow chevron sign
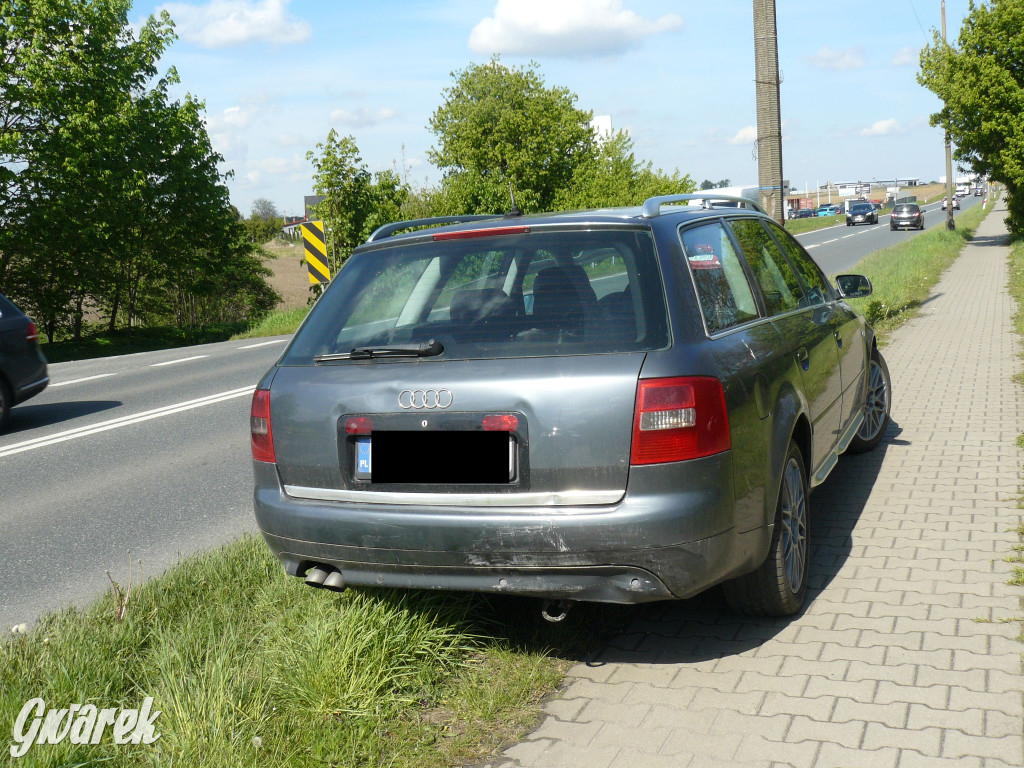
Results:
x,y
316,252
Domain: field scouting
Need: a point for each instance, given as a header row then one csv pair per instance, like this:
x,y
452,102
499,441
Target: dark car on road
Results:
x,y
22,366
906,216
621,405
861,213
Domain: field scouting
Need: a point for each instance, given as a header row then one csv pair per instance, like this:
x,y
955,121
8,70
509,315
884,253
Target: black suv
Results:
x,y
22,365
620,405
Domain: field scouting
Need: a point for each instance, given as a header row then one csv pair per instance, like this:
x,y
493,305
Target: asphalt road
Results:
x,y
146,457
837,249
143,456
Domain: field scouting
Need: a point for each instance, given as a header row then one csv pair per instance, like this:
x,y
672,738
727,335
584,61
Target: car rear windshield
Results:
x,y
526,294
907,208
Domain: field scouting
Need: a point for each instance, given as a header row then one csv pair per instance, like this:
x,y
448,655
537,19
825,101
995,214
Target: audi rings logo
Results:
x,y
425,398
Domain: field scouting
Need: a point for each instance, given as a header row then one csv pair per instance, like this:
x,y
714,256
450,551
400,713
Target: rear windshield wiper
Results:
x,y
430,348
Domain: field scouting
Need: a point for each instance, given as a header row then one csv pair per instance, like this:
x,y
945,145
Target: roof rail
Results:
x,y
389,229
652,205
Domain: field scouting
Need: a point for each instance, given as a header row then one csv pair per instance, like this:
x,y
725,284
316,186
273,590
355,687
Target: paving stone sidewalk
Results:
x,y
907,653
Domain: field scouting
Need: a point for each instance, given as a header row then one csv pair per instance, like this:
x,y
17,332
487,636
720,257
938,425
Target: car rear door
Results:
x,y
847,326
805,329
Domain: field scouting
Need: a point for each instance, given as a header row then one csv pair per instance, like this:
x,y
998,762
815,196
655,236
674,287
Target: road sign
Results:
x,y
316,252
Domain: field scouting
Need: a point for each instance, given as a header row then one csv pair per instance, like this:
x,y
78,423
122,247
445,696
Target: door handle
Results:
x,y
839,338
801,357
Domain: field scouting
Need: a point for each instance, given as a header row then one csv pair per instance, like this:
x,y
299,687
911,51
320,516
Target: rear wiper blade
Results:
x,y
430,348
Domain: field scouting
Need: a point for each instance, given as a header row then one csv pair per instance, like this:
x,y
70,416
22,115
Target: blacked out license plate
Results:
x,y
436,457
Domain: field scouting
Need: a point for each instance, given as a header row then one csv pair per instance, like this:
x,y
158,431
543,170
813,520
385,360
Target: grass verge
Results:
x,y
903,275
1016,287
250,667
102,343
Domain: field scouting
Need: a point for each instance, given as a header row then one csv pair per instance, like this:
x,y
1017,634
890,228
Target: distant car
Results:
x,y
861,213
804,213
978,192
956,203
22,366
826,210
906,216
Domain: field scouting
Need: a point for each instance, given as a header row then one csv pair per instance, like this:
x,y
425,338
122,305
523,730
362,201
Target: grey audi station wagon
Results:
x,y
619,405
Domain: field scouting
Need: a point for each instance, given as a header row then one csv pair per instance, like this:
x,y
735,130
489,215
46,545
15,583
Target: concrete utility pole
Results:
x,y
950,224
769,120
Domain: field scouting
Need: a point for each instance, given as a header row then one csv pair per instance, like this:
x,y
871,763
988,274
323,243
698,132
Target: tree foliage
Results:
x,y
500,125
111,201
613,176
980,81
355,202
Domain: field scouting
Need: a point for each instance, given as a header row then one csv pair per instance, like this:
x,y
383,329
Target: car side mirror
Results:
x,y
854,286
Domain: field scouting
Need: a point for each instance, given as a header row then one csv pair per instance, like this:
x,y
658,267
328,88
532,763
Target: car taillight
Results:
x,y
32,332
259,427
678,419
358,425
500,423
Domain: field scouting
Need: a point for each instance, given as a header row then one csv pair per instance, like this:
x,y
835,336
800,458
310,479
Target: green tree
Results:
x,y
501,125
262,208
355,202
613,176
110,196
980,81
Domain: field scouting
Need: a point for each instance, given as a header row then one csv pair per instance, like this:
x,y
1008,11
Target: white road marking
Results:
x,y
78,381
180,360
264,344
123,421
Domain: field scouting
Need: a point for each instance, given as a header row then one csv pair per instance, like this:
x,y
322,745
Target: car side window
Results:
x,y
722,288
815,283
776,279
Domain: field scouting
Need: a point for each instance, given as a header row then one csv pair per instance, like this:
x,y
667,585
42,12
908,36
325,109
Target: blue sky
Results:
x,y
277,75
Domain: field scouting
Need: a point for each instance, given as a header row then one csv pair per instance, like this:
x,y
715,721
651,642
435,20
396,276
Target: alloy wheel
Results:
x,y
876,404
793,519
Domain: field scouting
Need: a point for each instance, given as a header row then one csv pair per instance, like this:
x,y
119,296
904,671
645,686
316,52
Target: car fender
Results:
x,y
790,422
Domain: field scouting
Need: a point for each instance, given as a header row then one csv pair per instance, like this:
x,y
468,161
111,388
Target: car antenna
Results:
x,y
515,208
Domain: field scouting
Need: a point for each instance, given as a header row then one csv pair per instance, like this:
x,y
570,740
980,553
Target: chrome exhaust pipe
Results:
x,y
335,581
315,577
555,611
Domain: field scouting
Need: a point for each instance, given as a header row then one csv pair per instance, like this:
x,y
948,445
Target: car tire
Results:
x,y
6,401
779,586
877,405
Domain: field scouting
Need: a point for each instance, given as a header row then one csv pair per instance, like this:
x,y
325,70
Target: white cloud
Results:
x,y
292,140
906,57
226,129
221,23
746,135
567,28
279,165
232,119
826,58
362,117
882,128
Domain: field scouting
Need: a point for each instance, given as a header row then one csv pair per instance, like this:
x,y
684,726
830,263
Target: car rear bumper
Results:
x,y
32,388
671,541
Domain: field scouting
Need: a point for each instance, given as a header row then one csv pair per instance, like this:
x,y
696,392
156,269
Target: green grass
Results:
x,y
98,342
250,667
903,275
1016,288
277,323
